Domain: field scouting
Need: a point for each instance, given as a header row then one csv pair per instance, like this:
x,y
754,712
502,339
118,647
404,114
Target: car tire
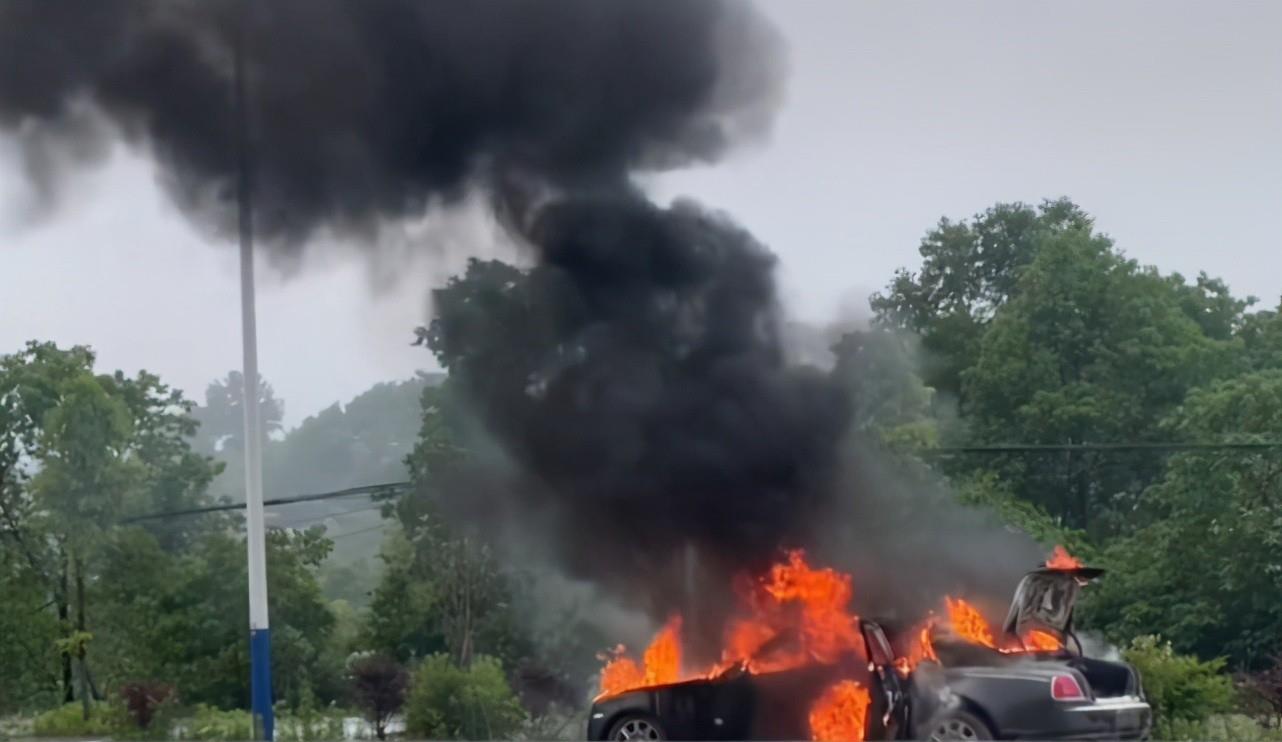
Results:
x,y
637,727
960,725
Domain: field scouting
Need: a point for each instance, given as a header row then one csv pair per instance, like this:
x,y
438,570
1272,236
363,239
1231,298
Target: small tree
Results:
x,y
379,685
1264,693
142,699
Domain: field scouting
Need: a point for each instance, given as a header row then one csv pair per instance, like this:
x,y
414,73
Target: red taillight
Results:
x,y
1066,688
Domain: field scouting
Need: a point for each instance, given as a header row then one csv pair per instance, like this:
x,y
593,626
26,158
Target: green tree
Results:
x,y
1093,349
1202,568
969,270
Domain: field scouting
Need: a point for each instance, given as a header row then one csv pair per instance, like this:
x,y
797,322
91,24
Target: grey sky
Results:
x,y
1163,119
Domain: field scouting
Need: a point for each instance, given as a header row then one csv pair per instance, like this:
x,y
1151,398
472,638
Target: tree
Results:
x,y
969,270
78,451
1201,568
1093,349
222,418
379,684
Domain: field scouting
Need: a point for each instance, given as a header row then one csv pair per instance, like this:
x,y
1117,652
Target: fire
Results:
x,y
968,623
920,648
793,615
1040,641
794,598
840,713
1061,559
661,663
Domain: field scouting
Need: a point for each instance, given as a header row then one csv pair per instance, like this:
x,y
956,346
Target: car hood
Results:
x,y
1044,601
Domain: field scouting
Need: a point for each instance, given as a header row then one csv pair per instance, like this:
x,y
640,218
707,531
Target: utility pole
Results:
x,y
260,638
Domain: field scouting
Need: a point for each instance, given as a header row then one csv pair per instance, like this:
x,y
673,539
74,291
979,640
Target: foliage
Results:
x,y
216,725
1262,691
449,702
1094,349
1180,688
143,699
68,721
969,270
379,684
1203,567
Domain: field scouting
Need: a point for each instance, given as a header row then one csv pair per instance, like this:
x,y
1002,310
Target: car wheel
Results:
x,y
960,725
637,727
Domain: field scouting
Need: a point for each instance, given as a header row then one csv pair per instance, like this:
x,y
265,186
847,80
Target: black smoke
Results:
x,y
636,379
363,111
633,382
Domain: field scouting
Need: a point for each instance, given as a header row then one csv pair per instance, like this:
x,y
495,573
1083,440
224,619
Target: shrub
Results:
x,y
448,702
69,721
1183,690
143,700
217,725
379,684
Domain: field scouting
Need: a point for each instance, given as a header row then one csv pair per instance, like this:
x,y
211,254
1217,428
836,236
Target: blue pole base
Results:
x,y
260,677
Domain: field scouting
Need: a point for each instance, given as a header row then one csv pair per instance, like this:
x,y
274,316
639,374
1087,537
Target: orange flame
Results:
x,y
824,627
1061,559
1040,641
840,714
969,623
804,608
661,663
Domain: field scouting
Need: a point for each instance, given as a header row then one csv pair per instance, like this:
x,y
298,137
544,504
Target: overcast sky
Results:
x,y
1163,119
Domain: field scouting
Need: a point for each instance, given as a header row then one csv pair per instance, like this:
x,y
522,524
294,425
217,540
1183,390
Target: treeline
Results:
x,y
1023,325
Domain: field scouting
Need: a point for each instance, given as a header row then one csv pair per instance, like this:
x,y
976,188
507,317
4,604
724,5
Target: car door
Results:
x,y
889,718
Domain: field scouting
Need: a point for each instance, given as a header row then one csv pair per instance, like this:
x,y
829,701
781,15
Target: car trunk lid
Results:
x,y
1044,601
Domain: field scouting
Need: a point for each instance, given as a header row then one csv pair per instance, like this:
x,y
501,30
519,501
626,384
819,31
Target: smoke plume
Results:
x,y
365,112
634,382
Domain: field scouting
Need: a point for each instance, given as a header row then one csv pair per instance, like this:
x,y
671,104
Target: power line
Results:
x,y
359,531
1116,447
388,489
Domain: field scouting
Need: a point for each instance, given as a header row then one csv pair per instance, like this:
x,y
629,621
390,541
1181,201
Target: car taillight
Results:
x,y
1066,688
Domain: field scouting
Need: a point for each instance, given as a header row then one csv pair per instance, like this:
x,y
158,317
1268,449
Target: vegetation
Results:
x,y
1021,325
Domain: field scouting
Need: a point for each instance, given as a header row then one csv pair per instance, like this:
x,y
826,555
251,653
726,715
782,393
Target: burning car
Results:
x,y
1034,686
864,699
830,675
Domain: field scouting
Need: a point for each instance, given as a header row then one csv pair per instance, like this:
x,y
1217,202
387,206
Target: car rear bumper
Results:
x,y
1124,718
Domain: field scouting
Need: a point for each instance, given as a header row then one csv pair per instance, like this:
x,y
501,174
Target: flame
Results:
x,y
661,663
968,623
1061,559
794,598
840,713
793,615
921,648
1040,641
620,673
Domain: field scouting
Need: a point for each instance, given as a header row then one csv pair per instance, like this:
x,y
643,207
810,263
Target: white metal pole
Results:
x,y
259,629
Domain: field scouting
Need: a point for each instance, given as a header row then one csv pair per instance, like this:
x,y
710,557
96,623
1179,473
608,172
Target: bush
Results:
x,y
69,721
217,725
1184,691
448,702
143,701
